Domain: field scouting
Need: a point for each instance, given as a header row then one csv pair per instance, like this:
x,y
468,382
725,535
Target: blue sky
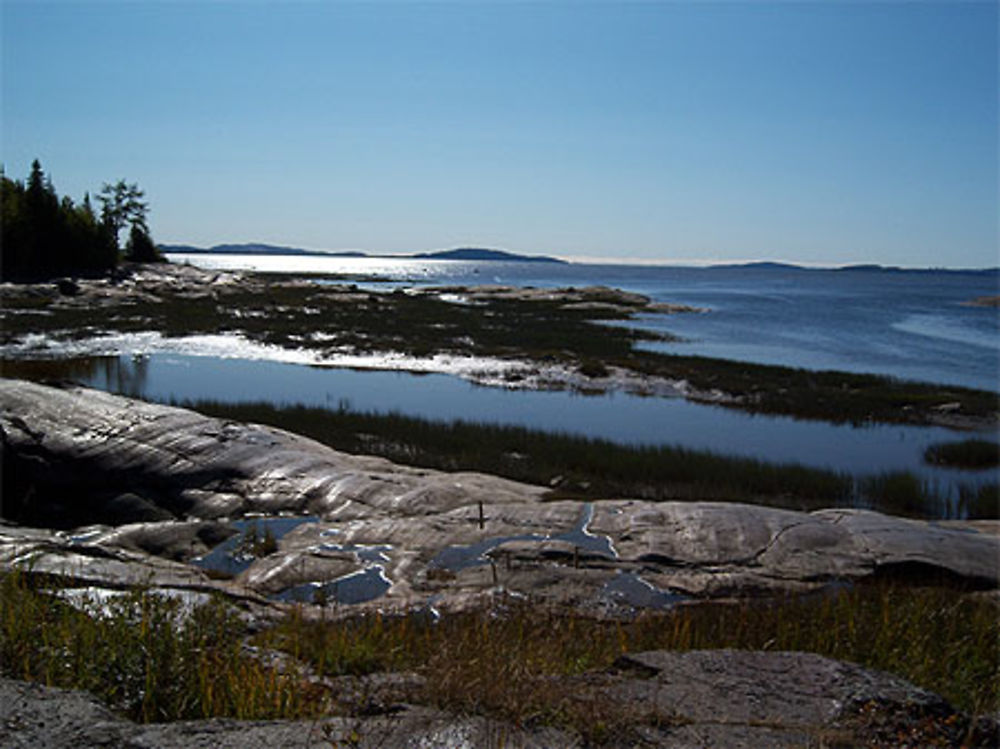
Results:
x,y
815,132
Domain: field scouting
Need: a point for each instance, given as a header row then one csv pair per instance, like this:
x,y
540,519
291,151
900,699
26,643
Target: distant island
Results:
x,y
480,254
767,265
483,254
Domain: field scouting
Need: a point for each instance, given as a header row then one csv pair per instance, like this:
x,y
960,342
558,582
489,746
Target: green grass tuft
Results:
x,y
972,454
523,663
510,662
143,656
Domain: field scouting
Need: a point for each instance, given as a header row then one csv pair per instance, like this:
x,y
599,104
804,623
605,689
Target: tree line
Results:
x,y
45,236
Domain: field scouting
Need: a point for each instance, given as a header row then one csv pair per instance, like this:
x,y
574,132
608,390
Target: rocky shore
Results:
x,y
106,493
151,489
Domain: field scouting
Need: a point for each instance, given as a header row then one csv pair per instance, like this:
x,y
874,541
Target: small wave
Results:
x,y
943,328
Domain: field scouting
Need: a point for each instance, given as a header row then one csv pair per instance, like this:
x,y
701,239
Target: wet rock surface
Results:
x,y
185,500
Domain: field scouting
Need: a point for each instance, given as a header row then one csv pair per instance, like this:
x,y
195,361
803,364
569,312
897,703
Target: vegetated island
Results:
x,y
479,254
253,248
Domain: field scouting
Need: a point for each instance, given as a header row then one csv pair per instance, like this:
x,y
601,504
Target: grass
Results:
x,y
142,657
510,663
256,544
971,454
982,503
526,664
588,468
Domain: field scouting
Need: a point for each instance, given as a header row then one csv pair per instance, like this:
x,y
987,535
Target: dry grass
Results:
x,y
524,664
519,663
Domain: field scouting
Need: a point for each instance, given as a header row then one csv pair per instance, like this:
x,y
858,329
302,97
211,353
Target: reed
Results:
x,y
582,467
971,454
520,662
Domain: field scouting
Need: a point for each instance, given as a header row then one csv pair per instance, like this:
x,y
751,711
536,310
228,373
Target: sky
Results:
x,y
824,132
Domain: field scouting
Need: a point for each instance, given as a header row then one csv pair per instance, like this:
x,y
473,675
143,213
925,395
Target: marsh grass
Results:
x,y
980,503
972,454
574,466
582,467
143,655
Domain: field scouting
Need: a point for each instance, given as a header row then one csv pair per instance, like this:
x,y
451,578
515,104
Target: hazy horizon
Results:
x,y
824,134
579,259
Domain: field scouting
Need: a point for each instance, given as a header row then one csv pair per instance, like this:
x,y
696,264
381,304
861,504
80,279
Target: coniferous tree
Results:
x,y
140,247
45,236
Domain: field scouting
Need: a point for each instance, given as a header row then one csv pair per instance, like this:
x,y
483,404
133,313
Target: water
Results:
x,y
906,324
456,558
357,587
233,555
620,417
629,589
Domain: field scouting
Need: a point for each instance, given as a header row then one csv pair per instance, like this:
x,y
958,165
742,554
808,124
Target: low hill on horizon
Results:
x,y
486,254
253,248
459,253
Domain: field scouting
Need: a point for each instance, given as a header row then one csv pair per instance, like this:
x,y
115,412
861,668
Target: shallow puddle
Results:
x,y
367,584
236,554
627,588
457,558
357,587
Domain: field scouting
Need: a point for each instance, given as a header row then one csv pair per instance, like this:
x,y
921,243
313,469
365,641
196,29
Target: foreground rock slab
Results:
x,y
158,488
32,716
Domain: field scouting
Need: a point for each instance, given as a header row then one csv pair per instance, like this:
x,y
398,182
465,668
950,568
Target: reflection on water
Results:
x,y
125,375
357,587
629,589
457,558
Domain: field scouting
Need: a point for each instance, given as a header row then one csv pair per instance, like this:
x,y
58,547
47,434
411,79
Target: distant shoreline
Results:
x,y
474,254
